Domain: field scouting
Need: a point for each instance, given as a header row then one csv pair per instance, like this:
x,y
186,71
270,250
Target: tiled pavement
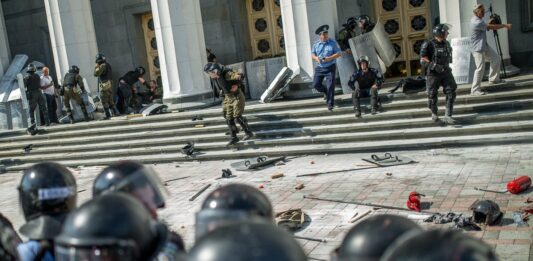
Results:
x,y
446,177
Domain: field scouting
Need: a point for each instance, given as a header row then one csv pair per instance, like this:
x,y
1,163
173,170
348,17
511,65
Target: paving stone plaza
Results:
x,y
446,176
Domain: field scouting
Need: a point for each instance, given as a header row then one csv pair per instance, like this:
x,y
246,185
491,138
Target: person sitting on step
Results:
x,y
369,80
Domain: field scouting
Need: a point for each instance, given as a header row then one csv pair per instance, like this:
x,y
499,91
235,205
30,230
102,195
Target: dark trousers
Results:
x,y
362,93
52,107
446,80
124,94
329,89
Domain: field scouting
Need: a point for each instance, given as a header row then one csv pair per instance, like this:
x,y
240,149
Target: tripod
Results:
x,y
499,47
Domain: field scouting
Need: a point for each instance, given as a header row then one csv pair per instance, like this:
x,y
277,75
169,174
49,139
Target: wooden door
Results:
x,y
266,28
154,70
408,23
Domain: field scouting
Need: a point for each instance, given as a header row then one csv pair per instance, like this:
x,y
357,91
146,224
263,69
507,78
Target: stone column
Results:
x,y
4,45
73,37
181,48
300,20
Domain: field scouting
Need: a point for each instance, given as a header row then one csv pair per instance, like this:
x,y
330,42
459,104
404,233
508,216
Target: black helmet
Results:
x,y
110,227
232,203
140,70
369,239
31,68
438,245
188,149
100,58
361,59
74,69
247,241
365,19
350,23
128,176
213,68
486,212
47,189
440,30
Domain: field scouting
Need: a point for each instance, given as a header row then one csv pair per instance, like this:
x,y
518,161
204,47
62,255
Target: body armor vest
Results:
x,y
442,53
33,82
366,80
108,75
70,80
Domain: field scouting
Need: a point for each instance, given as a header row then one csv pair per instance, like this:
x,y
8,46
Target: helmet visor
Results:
x,y
146,185
107,253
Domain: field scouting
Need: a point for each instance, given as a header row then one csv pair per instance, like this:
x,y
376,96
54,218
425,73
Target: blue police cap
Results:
x,y
322,29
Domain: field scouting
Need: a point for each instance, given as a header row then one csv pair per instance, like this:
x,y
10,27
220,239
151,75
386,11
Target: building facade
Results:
x,y
169,37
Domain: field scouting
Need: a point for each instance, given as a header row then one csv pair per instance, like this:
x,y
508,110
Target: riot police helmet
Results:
x,y
486,212
247,241
363,19
350,23
100,58
113,226
74,69
369,239
363,59
213,69
133,178
31,68
47,188
233,203
140,70
439,245
441,30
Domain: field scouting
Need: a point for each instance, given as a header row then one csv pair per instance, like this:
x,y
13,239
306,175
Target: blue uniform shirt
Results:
x,y
326,49
28,250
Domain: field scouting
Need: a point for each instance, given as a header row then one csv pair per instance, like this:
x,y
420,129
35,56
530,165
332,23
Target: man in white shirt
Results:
x,y
47,87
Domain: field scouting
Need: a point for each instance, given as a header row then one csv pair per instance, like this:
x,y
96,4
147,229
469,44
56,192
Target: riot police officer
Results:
x,y
110,227
230,204
248,241
71,81
47,193
32,82
143,184
435,58
230,84
104,72
370,238
346,33
365,24
439,245
127,94
369,80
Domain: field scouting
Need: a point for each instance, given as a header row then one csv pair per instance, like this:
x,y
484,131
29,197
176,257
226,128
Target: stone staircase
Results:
x,y
285,128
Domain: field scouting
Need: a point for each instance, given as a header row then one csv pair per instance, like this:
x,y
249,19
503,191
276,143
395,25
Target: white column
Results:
x,y
73,37
4,45
181,49
300,20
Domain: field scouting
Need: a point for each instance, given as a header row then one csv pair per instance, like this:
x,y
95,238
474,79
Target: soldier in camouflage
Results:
x,y
71,81
346,34
229,82
103,71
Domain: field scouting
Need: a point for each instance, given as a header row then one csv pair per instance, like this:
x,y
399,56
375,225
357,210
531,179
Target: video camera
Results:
x,y
494,18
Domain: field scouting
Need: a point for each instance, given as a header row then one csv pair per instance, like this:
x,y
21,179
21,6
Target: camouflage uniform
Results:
x,y
104,73
71,81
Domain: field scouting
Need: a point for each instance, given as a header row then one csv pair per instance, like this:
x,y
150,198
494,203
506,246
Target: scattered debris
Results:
x,y
27,148
362,204
277,175
226,174
171,180
197,118
255,163
188,149
519,219
413,202
355,218
261,186
388,160
312,239
299,186
460,221
291,219
312,162
515,186
200,192
388,174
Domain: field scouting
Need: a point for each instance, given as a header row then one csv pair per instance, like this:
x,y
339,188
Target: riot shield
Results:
x,y
346,67
383,45
364,45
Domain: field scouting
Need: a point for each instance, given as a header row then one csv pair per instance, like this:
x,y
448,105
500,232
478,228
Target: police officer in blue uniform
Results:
x,y
435,58
324,52
369,80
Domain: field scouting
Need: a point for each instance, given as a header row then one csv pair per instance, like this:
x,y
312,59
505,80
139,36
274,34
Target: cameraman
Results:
x,y
482,51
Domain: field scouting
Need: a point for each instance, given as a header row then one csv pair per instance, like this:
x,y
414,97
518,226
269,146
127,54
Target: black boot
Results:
x,y
232,127
71,118
107,114
244,124
358,113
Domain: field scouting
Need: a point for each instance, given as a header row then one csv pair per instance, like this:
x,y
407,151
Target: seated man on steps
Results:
x,y
369,80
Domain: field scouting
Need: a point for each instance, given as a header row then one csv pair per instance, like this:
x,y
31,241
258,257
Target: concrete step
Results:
x,y
332,138
263,120
280,109
308,126
345,147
